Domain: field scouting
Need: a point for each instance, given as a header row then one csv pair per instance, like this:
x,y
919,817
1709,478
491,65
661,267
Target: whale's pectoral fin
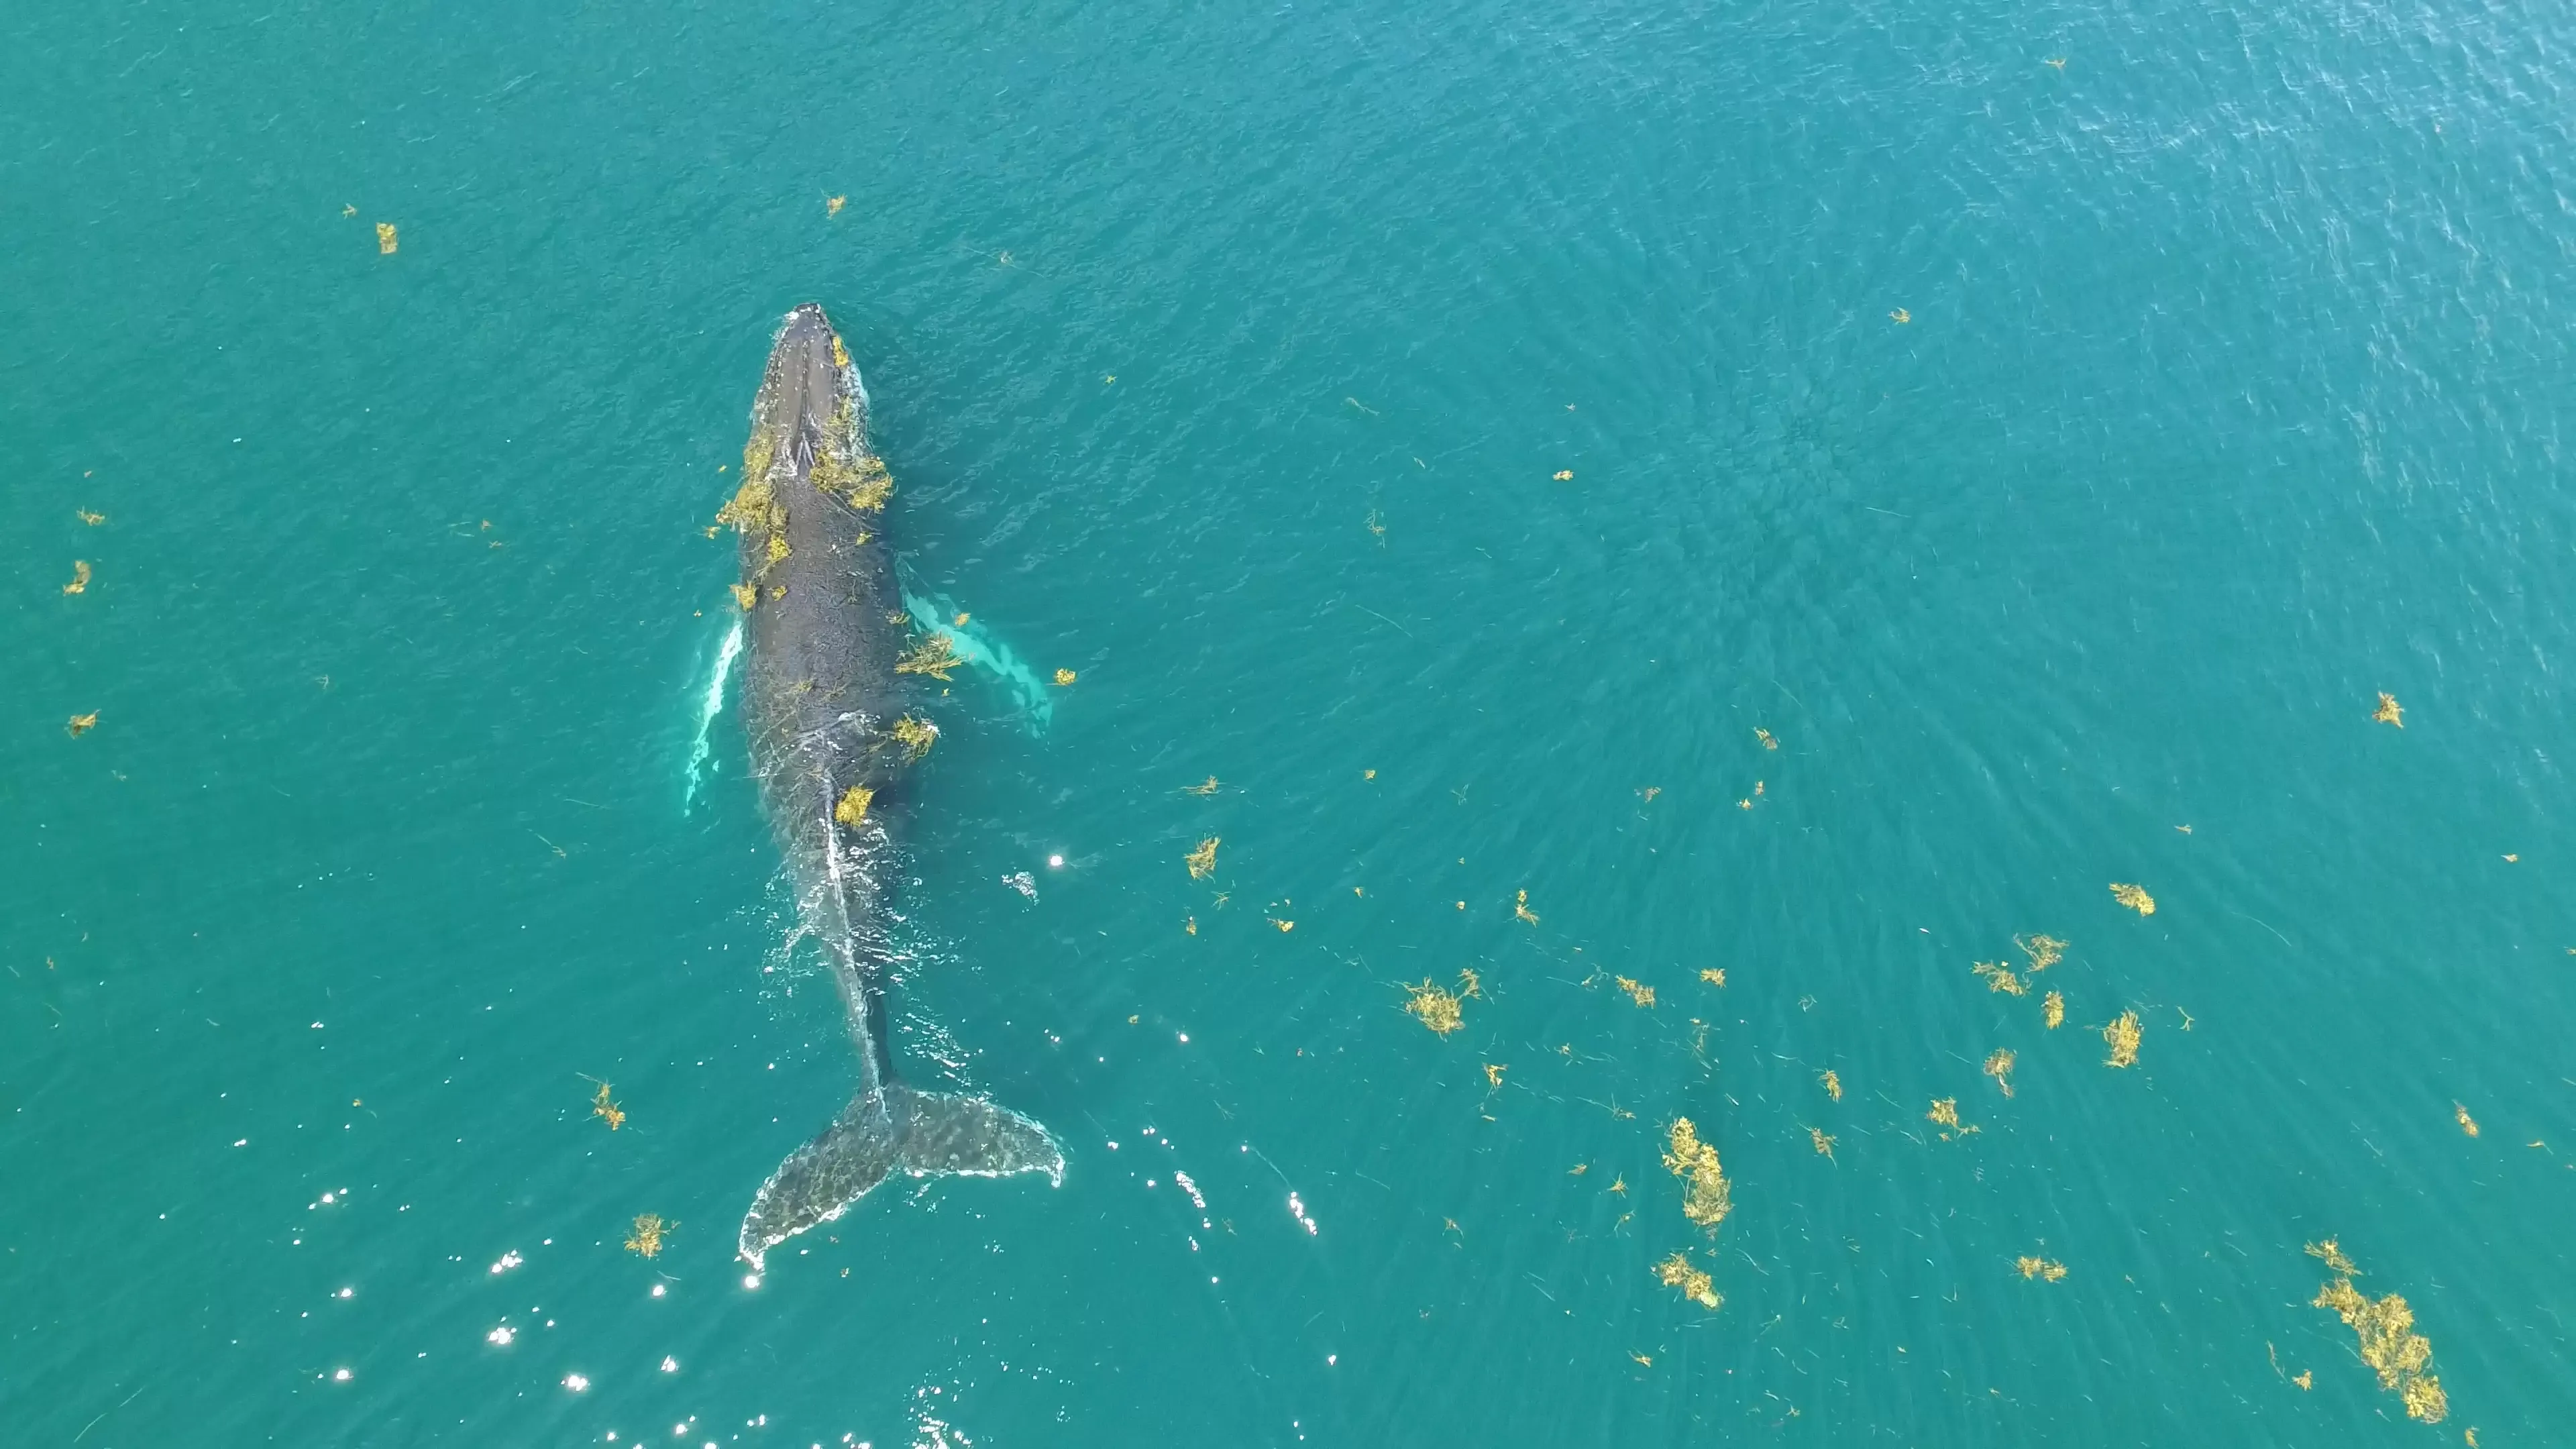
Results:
x,y
893,1130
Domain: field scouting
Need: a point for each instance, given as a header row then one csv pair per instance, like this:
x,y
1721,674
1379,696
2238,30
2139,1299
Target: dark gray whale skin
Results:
x,y
821,698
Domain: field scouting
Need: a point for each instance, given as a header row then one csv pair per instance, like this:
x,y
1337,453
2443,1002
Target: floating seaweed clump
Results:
x,y
1999,977
746,595
1202,861
388,240
2040,1268
1706,1196
2390,712
1521,910
1065,676
2043,951
2122,1035
81,724
1764,736
1205,787
1999,1066
2134,897
1945,1115
1642,995
80,577
646,1238
1435,1007
606,1110
2389,1343
1824,1141
853,808
1833,1081
1714,976
2053,1009
935,655
1677,1272
915,735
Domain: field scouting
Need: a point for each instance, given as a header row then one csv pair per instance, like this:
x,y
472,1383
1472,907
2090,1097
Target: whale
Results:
x,y
831,667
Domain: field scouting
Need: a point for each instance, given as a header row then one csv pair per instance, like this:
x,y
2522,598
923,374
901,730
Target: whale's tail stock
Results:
x,y
893,1129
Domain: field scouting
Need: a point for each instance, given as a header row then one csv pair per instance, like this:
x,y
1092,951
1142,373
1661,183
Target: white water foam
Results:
x,y
709,706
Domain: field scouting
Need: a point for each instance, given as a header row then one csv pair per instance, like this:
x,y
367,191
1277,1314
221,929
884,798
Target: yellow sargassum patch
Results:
x,y
2389,1342
1435,1007
915,735
1706,1196
646,1237
2122,1036
854,805
933,656
1696,1285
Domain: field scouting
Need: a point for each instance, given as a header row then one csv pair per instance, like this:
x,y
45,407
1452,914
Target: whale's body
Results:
x,y
823,701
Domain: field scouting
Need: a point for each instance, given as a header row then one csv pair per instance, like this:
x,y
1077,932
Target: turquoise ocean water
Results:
x,y
2048,457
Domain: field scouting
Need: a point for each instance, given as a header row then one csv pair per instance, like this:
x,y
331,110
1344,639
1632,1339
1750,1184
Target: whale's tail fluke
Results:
x,y
893,1129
